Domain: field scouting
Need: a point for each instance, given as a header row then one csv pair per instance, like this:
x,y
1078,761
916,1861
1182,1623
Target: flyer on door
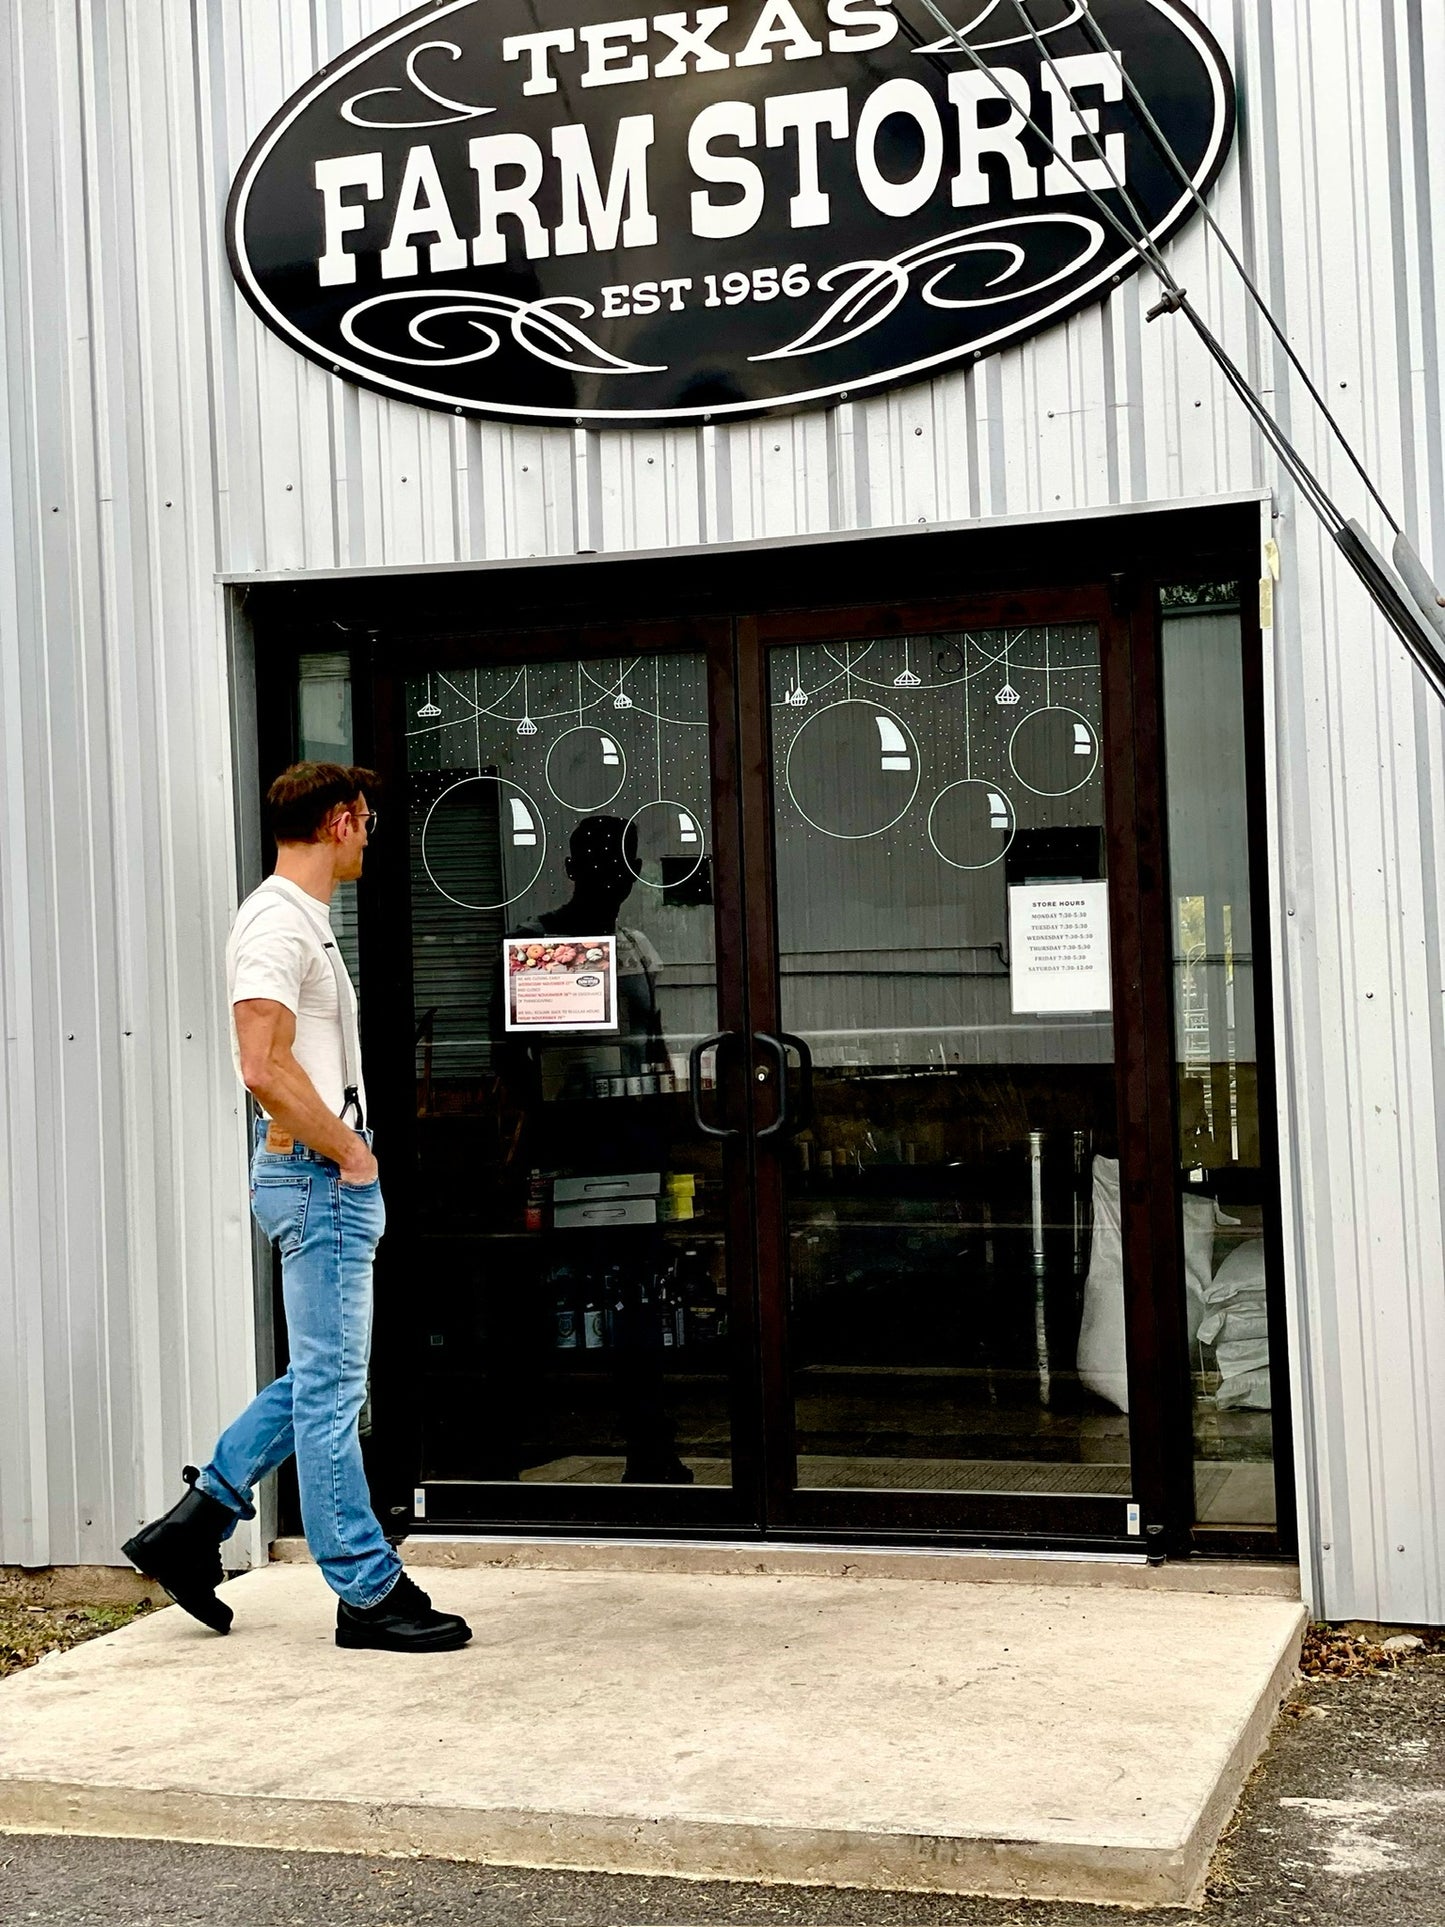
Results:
x,y
560,983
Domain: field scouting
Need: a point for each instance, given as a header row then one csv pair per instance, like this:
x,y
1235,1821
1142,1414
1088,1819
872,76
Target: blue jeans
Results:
x,y
327,1232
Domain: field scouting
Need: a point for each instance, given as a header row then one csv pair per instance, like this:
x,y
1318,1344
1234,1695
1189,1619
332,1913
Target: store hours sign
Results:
x,y
558,213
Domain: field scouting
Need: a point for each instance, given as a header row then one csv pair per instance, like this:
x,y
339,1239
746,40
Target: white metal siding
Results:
x,y
153,434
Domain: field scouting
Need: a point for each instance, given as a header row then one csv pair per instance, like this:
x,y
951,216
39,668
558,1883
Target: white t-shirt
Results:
x,y
279,950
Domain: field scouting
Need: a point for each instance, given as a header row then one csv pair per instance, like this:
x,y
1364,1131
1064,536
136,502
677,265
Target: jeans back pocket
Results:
x,y
278,1205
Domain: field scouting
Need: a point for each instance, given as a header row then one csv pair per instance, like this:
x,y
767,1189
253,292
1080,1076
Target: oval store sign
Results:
x,y
547,212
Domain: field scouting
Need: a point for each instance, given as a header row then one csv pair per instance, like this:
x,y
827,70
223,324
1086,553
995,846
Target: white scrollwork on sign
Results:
x,y
877,287
537,326
1074,10
460,109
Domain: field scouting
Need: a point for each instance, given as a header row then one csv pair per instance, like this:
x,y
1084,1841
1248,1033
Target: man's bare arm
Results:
x,y
266,1032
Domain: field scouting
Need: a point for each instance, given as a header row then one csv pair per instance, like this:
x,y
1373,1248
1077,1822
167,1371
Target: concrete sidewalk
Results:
x,y
1017,1740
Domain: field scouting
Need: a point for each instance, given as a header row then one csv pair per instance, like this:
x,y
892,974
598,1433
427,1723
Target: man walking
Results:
x,y
316,1194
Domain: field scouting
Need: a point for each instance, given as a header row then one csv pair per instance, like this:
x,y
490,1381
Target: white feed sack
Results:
x,y
1226,1308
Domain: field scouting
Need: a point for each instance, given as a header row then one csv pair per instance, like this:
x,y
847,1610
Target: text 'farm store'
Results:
x,y
901,981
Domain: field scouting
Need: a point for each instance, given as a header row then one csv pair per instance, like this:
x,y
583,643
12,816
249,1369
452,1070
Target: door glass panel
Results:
x,y
956,1297
569,1265
1223,1195
324,735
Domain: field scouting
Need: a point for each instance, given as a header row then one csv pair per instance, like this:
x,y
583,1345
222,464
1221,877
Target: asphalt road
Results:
x,y
1342,1826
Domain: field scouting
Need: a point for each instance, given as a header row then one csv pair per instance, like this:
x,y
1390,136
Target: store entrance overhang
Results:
x,y
1208,534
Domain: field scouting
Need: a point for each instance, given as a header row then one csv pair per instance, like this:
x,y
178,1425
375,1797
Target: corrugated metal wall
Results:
x,y
152,434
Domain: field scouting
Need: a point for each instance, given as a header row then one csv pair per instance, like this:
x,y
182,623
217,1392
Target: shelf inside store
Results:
x,y
681,1230
589,1364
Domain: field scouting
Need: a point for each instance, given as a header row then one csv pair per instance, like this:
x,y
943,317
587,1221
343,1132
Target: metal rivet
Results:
x,y
918,431
289,487
55,510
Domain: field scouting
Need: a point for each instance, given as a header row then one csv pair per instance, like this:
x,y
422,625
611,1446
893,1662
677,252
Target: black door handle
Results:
x,y
694,1084
787,1120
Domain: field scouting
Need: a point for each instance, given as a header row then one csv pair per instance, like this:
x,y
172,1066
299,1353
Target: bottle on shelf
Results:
x,y
697,1298
568,1322
665,1311
594,1319
534,1216
617,1322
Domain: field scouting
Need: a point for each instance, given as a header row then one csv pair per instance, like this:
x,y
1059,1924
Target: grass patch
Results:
x,y
28,1633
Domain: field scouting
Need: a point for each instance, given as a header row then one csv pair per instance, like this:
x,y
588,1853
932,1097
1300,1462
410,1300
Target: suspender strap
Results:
x,y
350,1041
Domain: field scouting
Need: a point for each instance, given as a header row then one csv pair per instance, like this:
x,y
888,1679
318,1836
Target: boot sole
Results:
x,y
212,1613
360,1641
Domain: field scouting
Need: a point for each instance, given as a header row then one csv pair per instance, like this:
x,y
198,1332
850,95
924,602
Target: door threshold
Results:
x,y
769,1558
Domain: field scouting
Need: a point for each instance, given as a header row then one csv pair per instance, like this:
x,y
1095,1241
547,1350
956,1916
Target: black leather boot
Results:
x,y
182,1552
404,1622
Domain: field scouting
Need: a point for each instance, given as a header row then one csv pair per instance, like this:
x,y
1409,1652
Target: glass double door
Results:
x,y
775,1082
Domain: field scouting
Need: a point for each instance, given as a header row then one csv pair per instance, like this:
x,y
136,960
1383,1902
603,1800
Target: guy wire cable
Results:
x,y
1423,598
1170,155
1410,623
1175,299
1424,592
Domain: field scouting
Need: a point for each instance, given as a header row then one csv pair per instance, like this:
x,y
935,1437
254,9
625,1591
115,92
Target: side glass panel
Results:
x,y
956,1312
570,1277
1223,1196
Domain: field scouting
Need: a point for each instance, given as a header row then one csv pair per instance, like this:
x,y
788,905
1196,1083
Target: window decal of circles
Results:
x,y
852,770
467,822
1054,751
585,768
665,832
971,824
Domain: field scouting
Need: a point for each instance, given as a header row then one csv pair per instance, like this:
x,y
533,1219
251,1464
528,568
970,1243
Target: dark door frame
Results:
x,y
1153,1242
389,626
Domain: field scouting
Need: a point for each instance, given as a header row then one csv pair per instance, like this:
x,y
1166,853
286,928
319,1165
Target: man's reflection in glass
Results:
x,y
602,867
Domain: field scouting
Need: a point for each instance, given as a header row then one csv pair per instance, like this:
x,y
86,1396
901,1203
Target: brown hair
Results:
x,y
303,798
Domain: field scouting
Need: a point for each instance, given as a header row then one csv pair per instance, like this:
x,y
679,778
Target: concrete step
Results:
x,y
556,1553
1071,1742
